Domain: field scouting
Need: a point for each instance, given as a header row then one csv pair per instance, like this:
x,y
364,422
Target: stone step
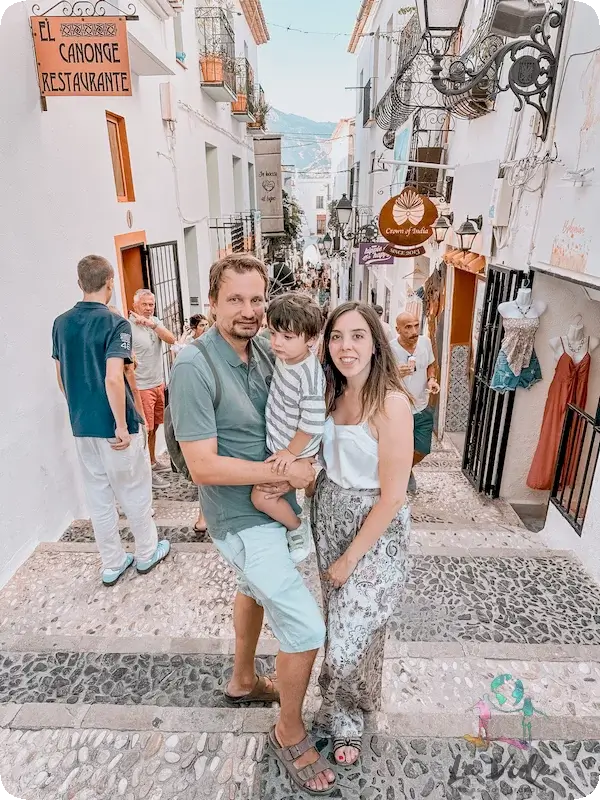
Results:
x,y
98,763
438,540
519,600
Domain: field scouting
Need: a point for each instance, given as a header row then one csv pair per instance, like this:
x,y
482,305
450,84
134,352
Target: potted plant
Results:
x,y
261,112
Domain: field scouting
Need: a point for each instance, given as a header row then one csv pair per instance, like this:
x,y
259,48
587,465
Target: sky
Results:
x,y
306,74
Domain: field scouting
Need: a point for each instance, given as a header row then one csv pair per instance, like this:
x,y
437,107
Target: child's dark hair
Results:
x,y
295,313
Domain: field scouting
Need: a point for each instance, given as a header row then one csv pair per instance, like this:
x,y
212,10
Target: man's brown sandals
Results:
x,y
300,776
264,691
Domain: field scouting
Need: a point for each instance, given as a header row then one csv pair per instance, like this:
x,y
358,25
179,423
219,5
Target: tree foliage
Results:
x,y
292,218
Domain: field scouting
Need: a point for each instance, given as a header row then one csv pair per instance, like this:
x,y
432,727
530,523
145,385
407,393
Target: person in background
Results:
x,y
418,370
91,346
197,326
148,335
389,333
360,518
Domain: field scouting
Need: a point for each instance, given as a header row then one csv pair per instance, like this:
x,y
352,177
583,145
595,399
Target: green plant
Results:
x,y
292,218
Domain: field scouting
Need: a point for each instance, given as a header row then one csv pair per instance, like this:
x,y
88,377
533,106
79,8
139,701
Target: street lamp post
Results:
x,y
468,231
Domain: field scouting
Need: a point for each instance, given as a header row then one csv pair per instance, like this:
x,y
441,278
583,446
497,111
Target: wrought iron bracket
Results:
x,y
87,8
532,74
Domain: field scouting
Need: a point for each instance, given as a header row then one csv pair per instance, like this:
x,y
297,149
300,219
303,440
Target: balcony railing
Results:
x,y
244,105
235,234
576,465
216,46
261,111
431,128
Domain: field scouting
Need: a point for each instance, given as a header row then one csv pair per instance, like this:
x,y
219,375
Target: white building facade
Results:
x,y
161,183
537,197
313,195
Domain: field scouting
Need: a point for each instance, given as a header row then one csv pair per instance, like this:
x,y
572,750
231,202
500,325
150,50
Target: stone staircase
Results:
x,y
109,693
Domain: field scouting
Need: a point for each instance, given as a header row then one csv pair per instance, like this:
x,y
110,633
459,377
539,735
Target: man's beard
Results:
x,y
244,335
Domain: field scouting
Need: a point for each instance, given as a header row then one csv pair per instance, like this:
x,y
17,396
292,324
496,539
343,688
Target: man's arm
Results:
x,y
164,334
59,378
137,397
155,325
115,391
207,468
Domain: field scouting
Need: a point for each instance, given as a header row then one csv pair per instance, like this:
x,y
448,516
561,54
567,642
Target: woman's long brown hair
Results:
x,y
383,377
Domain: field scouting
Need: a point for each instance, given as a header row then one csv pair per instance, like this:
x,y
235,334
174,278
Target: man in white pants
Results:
x,y
91,347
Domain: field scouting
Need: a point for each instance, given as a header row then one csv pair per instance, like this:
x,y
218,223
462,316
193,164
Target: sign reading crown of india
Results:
x,y
405,222
85,56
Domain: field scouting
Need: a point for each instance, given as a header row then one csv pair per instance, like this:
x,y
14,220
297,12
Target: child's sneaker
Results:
x,y
299,542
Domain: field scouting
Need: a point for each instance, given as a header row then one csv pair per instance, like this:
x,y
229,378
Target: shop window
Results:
x,y
119,153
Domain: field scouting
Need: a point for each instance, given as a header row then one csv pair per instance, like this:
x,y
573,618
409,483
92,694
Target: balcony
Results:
x,y
235,234
261,111
429,144
243,106
216,46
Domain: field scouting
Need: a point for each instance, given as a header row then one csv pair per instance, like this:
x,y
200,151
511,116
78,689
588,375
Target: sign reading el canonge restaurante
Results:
x,y
84,56
405,222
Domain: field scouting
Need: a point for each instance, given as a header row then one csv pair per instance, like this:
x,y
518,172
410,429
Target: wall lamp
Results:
x,y
468,231
533,60
442,226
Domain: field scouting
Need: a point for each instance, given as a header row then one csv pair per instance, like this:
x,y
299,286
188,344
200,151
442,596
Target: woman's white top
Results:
x,y
350,454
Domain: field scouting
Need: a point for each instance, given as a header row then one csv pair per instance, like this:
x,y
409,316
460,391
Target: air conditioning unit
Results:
x,y
515,18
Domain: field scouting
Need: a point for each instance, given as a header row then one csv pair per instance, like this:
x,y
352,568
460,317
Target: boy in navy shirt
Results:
x,y
91,347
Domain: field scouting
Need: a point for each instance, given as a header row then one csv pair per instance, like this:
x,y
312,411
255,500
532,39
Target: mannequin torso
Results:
x,y
574,344
522,307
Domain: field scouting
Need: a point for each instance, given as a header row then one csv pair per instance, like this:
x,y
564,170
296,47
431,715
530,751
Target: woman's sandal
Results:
x,y
265,691
339,743
301,775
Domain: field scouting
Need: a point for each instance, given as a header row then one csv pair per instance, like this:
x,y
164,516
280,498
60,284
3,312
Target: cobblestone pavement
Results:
x,y
117,693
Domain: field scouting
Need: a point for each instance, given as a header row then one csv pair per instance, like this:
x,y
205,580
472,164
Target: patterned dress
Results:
x,y
357,613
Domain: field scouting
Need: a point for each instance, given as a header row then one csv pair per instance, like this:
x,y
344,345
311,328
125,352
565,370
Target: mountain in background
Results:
x,y
305,142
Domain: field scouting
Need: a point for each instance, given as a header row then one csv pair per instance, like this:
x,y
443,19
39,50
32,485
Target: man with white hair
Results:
x,y
148,335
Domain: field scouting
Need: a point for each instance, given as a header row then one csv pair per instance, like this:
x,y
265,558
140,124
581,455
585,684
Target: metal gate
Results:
x,y
162,263
490,412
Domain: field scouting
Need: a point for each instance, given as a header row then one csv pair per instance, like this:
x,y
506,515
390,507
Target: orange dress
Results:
x,y
569,385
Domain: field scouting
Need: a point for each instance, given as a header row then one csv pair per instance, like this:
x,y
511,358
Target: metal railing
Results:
x,y
576,465
244,88
216,47
235,233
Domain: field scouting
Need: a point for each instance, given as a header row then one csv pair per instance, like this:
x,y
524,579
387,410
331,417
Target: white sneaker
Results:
x,y
158,482
299,542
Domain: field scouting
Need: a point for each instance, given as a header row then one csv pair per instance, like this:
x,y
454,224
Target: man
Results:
x,y
218,399
416,364
91,347
148,335
389,333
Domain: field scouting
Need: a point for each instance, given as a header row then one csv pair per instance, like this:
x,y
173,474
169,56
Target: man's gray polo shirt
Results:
x,y
238,423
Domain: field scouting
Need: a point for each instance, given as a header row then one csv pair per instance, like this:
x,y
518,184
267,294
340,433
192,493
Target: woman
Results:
x,y
360,518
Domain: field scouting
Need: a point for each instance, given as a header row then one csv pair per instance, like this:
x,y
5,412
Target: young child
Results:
x,y
295,413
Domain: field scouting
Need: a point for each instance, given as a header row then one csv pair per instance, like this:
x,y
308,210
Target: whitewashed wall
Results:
x,y
58,204
307,191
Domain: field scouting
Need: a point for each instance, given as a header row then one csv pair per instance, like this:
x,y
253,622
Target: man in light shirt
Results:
x,y
417,367
148,335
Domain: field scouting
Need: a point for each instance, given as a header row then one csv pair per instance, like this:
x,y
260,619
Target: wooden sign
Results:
x,y
405,222
84,56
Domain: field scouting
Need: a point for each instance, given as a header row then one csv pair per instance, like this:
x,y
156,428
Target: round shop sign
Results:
x,y
405,222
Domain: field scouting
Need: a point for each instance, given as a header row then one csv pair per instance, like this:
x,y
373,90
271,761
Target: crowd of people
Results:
x,y
336,406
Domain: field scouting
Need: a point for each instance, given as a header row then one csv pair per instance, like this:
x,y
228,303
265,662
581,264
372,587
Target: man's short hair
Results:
x,y
295,313
238,262
378,310
142,293
94,272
